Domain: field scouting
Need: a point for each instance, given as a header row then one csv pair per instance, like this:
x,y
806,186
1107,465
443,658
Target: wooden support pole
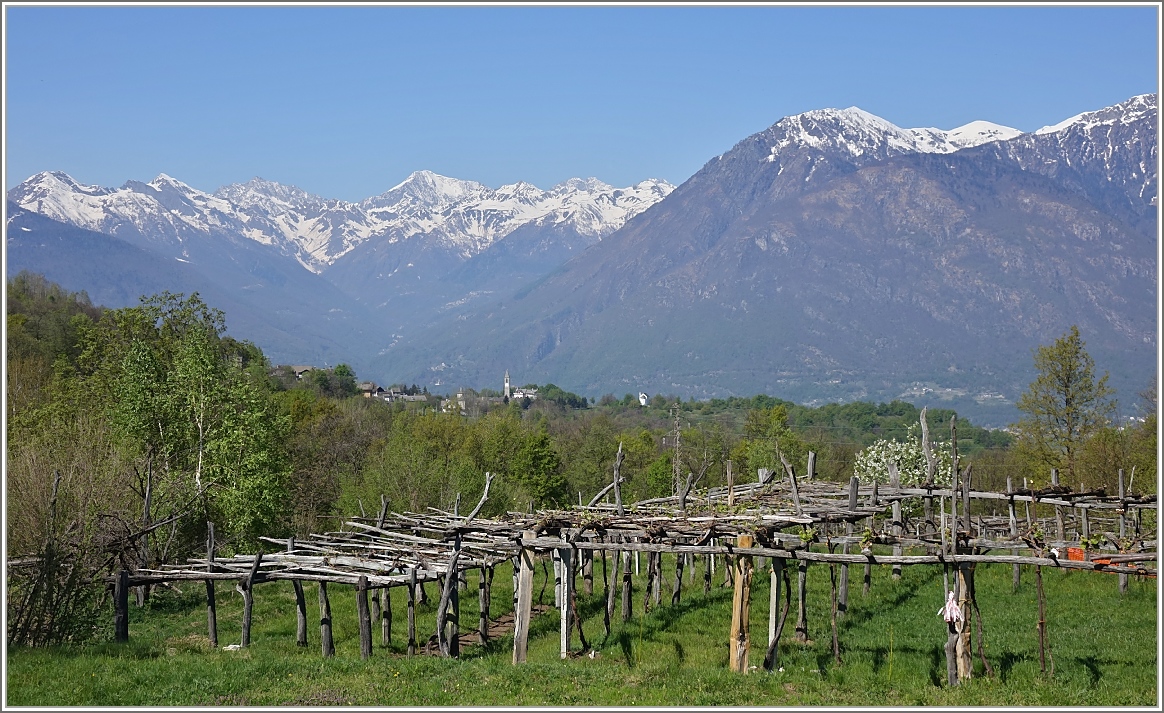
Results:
x,y
626,586
780,572
677,590
362,615
868,581
556,558
566,567
707,560
658,575
211,608
731,485
386,617
1059,526
121,607
300,604
249,600
1017,569
741,600
611,587
453,631
812,465
483,605
843,600
895,482
1041,626
1123,527
325,641
802,601
412,611
774,576
587,572
521,614
374,602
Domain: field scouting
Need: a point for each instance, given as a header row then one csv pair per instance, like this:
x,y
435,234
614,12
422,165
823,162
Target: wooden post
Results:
x,y
774,597
374,602
1017,569
657,571
521,614
249,600
812,465
843,600
677,590
738,652
1041,626
211,609
895,482
1059,528
556,557
707,560
587,572
483,605
121,607
566,567
626,586
611,586
1123,528
386,617
802,601
362,615
412,611
731,485
453,630
868,583
325,640
300,604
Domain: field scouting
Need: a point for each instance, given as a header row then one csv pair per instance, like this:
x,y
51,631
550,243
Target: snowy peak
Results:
x,y
463,217
1126,112
861,134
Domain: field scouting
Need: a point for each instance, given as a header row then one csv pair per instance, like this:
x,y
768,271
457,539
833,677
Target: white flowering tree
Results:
x,y
872,463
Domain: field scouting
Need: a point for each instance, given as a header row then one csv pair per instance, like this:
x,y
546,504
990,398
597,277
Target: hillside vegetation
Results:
x,y
130,429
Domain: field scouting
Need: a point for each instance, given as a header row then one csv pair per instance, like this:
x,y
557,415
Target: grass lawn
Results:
x,y
1104,648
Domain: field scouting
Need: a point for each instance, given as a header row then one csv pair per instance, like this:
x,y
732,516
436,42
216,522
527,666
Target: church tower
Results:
x,y
507,383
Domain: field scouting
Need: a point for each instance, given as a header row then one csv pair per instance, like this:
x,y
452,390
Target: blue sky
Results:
x,y
346,102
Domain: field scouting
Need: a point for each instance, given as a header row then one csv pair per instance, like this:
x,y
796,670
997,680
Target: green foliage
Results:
x,y
1064,406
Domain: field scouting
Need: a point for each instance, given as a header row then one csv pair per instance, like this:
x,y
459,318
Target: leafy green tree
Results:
x,y
536,467
1064,406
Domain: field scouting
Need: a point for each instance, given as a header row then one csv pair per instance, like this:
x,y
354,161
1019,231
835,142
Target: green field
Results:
x,y
1104,648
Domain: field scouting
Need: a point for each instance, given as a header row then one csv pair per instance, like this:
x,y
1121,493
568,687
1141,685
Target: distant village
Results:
x,y
467,402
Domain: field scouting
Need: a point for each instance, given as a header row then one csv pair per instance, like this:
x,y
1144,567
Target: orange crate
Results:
x,y
1075,553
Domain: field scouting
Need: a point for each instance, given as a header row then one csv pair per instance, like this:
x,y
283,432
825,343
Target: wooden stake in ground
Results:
x,y
566,567
412,611
1017,570
386,617
802,601
211,610
249,600
779,572
325,641
611,587
626,586
521,614
843,601
895,482
1123,529
1041,627
741,600
300,604
121,607
363,616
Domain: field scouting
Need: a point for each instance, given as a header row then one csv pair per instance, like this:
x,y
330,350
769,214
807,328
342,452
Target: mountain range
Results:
x,y
832,256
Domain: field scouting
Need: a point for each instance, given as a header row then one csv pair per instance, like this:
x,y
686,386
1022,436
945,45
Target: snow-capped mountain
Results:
x,y
836,256
862,134
462,216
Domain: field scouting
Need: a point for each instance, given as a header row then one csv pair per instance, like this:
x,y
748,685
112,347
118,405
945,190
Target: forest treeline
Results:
x,y
128,430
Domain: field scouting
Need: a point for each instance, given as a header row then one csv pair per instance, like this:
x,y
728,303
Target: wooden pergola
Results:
x,y
792,523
